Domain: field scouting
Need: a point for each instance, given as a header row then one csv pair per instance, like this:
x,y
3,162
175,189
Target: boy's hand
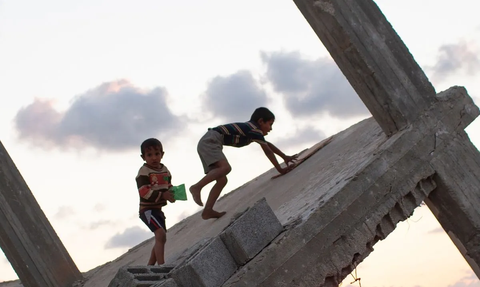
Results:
x,y
289,159
168,195
285,169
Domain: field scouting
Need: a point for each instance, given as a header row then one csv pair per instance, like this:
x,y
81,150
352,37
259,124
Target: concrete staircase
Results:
x,y
213,261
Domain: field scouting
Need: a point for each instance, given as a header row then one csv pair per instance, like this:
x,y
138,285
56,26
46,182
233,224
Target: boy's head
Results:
x,y
264,118
262,113
152,152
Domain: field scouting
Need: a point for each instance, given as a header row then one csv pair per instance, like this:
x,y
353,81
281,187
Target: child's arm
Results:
x,y
270,150
286,158
168,195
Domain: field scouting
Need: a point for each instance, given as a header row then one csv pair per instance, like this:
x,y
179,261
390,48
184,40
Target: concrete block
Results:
x,y
140,276
251,232
211,266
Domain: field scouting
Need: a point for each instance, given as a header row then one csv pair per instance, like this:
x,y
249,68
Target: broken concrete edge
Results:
x,y
342,266
292,236
375,227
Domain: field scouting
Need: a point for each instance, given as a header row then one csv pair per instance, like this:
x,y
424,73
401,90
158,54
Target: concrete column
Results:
x,y
373,58
456,200
26,236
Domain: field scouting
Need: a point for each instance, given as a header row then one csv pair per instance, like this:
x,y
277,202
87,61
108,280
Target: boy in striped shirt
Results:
x,y
215,163
154,182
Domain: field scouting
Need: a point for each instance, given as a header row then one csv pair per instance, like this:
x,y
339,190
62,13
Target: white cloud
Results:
x,y
113,116
129,238
470,280
312,86
234,98
461,57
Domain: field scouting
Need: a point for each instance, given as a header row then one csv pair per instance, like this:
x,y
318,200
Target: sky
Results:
x,y
83,83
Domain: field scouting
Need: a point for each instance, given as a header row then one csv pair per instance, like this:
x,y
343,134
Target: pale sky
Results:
x,y
83,83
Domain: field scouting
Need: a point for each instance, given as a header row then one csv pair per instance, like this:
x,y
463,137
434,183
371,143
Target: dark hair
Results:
x,y
262,113
149,143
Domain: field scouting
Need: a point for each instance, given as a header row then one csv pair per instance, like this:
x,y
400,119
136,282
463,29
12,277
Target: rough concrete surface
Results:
x,y
295,197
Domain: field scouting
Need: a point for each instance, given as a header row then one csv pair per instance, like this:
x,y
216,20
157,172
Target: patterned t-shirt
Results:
x,y
151,183
240,134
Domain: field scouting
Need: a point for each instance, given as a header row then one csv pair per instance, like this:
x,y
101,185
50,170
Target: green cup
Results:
x,y
179,192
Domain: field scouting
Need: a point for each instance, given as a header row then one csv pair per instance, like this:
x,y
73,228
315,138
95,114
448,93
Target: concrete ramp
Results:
x,y
332,208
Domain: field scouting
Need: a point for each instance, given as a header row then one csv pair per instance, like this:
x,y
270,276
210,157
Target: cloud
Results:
x,y
456,58
312,87
64,212
130,237
113,116
470,280
235,97
99,223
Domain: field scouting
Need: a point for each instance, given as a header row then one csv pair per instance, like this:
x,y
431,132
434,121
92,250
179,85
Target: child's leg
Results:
x,y
220,169
208,212
155,220
159,247
153,258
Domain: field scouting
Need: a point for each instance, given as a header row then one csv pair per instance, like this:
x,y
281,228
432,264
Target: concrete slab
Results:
x,y
251,232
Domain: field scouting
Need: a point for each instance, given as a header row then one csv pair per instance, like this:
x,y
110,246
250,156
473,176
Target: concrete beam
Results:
x,y
373,58
456,201
26,237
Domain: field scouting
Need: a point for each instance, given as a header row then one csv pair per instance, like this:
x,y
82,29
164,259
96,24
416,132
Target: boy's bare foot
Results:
x,y
207,214
196,195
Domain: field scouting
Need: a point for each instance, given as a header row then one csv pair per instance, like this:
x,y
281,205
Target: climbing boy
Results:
x,y
215,163
154,183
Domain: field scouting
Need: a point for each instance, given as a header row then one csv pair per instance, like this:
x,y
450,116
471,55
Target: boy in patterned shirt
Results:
x,y
154,183
215,163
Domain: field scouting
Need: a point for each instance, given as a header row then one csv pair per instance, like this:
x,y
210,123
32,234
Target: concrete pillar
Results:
x,y
26,236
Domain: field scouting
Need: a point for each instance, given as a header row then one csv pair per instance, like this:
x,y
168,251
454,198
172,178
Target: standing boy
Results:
x,y
154,183
215,163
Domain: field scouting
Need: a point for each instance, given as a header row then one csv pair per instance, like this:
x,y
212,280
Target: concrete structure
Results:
x,y
251,232
26,237
416,150
138,276
401,99
352,193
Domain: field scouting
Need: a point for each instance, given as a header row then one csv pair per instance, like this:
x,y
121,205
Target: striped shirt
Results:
x,y
151,183
240,134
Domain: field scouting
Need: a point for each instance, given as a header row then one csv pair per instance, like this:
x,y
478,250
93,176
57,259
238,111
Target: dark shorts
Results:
x,y
210,149
153,218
